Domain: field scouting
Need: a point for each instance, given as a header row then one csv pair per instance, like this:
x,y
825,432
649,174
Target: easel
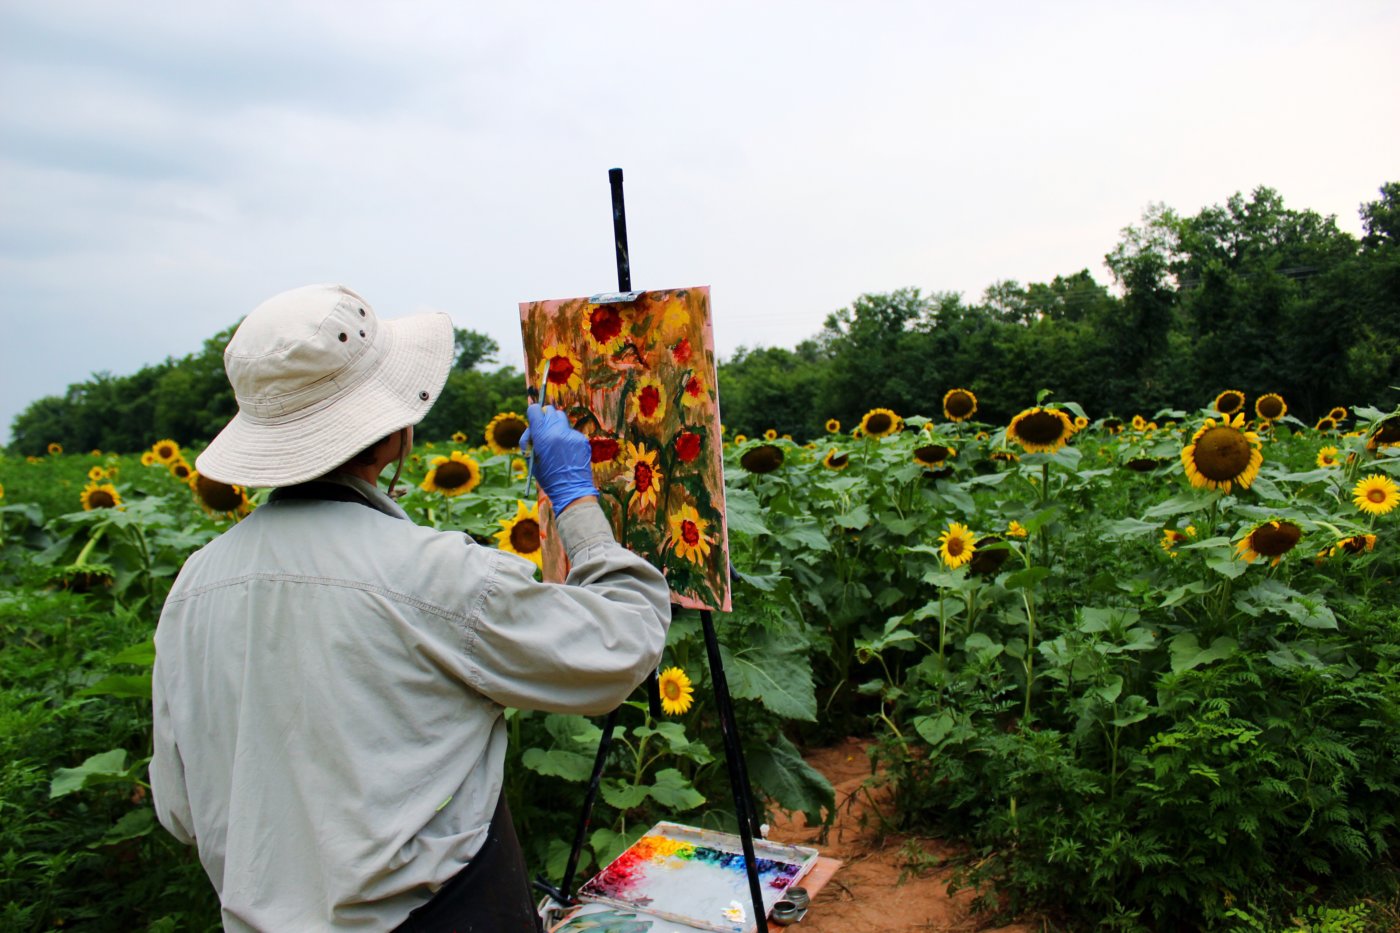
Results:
x,y
733,751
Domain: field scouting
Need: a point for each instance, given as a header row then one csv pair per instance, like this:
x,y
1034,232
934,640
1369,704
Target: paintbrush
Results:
x,y
534,395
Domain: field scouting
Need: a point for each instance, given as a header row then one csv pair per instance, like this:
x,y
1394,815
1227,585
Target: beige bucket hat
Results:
x,y
318,378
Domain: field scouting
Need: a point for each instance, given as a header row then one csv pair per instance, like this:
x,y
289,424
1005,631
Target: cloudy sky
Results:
x,y
165,167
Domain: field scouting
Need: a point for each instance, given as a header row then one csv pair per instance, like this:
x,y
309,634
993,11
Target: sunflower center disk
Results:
x,y
453,474
878,423
1041,427
220,497
1275,540
1222,454
525,536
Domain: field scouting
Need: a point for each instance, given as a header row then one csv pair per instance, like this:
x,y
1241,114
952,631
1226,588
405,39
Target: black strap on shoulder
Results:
x,y
317,489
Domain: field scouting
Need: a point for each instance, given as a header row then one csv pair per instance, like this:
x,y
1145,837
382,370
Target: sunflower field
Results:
x,y
1143,670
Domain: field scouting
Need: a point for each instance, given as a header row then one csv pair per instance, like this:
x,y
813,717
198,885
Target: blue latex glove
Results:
x,y
563,457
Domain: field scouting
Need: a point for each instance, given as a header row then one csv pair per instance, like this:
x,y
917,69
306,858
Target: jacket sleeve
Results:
x,y
580,647
167,771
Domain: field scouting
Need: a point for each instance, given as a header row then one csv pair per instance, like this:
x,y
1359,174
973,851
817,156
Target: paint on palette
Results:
x,y
678,873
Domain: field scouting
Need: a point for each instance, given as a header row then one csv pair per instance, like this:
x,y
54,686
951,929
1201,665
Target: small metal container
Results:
x,y
798,896
785,912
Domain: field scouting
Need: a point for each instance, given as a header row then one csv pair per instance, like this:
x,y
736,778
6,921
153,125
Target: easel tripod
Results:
x,y
745,811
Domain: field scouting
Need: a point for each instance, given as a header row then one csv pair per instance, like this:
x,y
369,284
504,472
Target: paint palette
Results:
x,y
696,877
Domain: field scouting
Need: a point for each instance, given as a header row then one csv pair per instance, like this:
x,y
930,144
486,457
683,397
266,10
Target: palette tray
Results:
x,y
697,877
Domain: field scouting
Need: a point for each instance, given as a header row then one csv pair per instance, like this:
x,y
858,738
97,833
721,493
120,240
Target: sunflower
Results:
x,y
765,458
1229,402
97,473
148,458
956,545
1326,425
693,392
1376,494
1171,538
959,404
1080,423
688,534
676,692
2,490
740,439
1016,529
459,437
836,461
1356,544
603,326
560,367
681,350
1139,423
857,433
1221,455
1040,430
1270,407
1385,434
520,534
987,560
181,470
770,435
519,468
879,422
1001,455
218,497
504,431
648,403
642,474
1327,457
933,455
55,448
452,475
833,426
101,497
166,451
1113,425
1339,413
1271,539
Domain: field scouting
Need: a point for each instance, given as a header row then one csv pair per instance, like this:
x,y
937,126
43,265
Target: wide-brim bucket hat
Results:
x,y
318,378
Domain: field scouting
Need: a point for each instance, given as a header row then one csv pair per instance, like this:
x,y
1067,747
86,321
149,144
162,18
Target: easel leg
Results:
x,y
738,771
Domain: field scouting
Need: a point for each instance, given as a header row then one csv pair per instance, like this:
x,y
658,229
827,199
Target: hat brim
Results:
x,y
418,356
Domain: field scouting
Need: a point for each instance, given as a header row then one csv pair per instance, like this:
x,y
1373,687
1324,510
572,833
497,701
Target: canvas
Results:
x,y
638,377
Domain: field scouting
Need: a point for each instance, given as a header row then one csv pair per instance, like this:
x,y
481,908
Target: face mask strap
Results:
x,y
394,491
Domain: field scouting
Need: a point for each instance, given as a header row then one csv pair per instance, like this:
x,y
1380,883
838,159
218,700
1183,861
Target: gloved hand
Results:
x,y
563,457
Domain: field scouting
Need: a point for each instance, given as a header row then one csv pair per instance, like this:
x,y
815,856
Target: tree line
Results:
x,y
1249,295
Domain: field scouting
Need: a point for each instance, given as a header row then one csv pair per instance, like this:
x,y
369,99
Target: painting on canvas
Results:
x,y
638,377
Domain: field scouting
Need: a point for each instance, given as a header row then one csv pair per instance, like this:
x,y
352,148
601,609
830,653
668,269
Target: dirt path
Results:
x,y
866,895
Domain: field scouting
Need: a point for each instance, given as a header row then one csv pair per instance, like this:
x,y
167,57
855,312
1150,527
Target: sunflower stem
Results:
x,y
1030,652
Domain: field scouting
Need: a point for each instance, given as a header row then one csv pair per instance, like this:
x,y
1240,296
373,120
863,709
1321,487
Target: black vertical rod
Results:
x,y
734,758
586,817
624,264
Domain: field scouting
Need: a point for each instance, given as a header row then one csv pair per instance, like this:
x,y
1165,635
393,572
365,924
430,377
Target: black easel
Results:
x,y
744,810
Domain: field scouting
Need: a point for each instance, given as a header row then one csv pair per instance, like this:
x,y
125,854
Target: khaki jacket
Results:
x,y
329,687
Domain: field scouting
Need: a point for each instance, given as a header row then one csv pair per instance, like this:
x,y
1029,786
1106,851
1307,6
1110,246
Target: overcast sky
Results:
x,y
165,167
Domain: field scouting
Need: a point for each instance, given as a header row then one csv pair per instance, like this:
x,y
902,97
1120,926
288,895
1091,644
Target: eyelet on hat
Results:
x,y
423,396
362,333
362,312
343,337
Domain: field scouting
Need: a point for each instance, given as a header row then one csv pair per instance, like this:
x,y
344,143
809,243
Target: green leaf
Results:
x,y
103,768
133,825
778,677
1110,690
671,789
934,729
780,772
856,518
1134,709
1188,654
1129,528
1225,564
800,536
743,512
1192,500
1027,578
608,845
623,796
137,686
142,654
555,762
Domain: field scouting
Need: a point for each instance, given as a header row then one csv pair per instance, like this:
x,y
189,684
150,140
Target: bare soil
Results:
x,y
887,883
